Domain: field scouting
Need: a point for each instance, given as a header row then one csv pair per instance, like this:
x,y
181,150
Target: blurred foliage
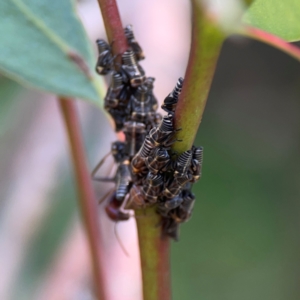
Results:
x,y
48,238
243,239
37,39
278,17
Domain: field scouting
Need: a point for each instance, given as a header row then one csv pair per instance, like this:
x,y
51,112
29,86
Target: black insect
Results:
x,y
134,135
105,59
148,192
149,83
138,162
182,164
117,99
184,211
172,190
117,95
122,179
160,136
196,166
133,72
133,44
141,108
170,102
170,228
158,161
171,218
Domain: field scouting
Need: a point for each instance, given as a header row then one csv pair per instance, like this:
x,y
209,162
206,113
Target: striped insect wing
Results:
x,y
133,71
133,44
170,102
105,59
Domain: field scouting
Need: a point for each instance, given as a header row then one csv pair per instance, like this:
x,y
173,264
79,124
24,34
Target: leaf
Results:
x,y
278,17
43,45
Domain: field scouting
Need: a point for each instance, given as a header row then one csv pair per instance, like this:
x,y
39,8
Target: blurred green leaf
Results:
x,y
278,17
43,45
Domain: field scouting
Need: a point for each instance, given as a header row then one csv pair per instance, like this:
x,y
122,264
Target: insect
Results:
x,y
158,161
133,44
183,164
182,213
114,210
181,177
135,134
122,178
117,93
116,100
132,70
170,102
149,84
196,163
105,59
148,192
141,107
160,135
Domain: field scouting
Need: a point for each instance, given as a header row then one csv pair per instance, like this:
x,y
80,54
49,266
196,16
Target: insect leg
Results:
x,y
100,164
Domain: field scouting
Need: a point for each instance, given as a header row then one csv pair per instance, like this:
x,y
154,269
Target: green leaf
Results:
x,y
278,17
44,45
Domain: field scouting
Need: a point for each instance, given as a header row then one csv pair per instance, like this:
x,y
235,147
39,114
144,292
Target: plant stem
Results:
x,y
207,40
113,26
87,200
155,256
154,250
271,40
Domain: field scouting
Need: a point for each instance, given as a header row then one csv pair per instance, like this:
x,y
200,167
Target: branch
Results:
x,y
155,255
154,250
271,40
207,40
113,26
87,200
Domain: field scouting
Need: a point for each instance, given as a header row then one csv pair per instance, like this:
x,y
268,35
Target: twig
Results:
x,y
154,250
87,200
113,26
155,256
207,40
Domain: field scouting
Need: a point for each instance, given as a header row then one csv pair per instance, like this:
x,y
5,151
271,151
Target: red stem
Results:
x,y
113,25
272,40
87,200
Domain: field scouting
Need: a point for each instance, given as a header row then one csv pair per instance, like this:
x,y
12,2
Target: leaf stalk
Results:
x,y
87,200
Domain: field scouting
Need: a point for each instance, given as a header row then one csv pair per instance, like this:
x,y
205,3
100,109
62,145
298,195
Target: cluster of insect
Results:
x,y
148,171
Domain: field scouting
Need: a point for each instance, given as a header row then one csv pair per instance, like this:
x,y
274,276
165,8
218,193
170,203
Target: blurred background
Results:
x,y
243,240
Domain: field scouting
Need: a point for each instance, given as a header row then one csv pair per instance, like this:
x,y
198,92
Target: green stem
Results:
x,y
207,40
87,200
154,251
155,256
